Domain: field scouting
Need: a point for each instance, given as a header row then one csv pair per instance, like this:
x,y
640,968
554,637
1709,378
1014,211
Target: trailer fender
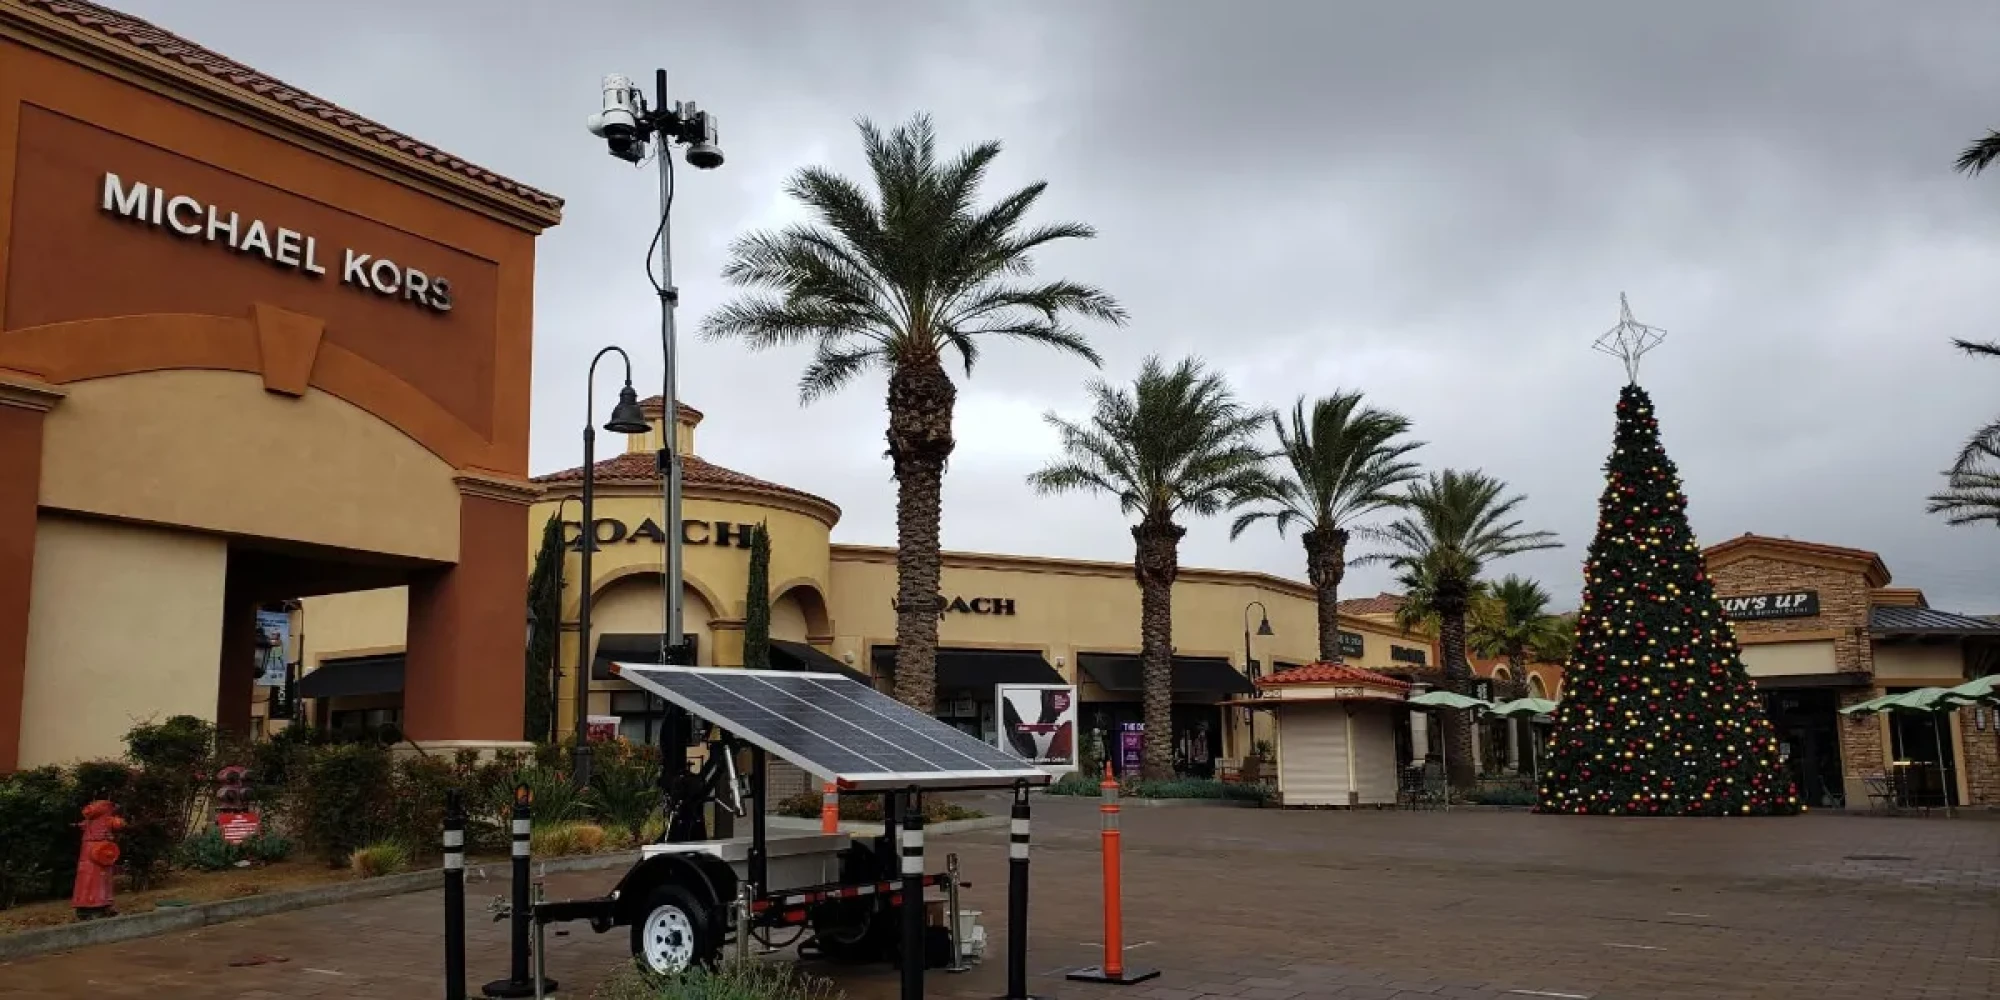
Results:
x,y
709,879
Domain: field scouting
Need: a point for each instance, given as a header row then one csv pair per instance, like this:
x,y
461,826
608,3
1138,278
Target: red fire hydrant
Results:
x,y
94,862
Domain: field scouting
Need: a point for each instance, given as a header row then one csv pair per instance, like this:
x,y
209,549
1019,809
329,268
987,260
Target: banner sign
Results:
x,y
274,631
1038,723
1790,604
1350,643
238,827
600,728
1131,747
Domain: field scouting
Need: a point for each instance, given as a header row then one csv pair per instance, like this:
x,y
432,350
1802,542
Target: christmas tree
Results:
x,y
1658,716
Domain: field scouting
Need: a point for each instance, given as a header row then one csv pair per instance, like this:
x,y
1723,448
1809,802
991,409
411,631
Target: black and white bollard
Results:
x,y
1017,898
520,981
913,899
454,896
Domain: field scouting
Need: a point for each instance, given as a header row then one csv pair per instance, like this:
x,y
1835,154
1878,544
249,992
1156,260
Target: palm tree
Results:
x,y
1453,524
895,280
1340,465
1513,622
1175,443
1972,485
1979,155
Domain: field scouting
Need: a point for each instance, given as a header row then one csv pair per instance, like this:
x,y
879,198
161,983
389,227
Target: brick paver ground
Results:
x,y
1268,905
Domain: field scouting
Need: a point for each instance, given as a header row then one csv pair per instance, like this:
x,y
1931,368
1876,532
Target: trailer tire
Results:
x,y
673,932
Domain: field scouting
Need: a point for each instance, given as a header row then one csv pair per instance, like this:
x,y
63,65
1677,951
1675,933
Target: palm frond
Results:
x,y
1454,523
1979,155
1339,462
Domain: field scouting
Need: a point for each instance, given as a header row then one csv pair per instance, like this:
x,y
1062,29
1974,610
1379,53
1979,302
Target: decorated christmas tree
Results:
x,y
1658,716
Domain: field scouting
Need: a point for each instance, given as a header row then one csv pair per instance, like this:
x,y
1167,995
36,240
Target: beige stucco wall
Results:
x,y
125,627
214,451
361,623
1779,659
1894,663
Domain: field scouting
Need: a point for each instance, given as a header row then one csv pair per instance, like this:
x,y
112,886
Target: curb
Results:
x,y
168,920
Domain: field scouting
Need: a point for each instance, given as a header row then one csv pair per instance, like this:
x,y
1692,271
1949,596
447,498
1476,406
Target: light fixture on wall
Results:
x,y
847,657
1059,661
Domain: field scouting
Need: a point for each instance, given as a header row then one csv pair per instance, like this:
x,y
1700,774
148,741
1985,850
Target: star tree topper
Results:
x,y
1629,340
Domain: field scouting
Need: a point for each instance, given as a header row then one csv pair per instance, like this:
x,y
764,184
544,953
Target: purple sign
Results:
x,y
1131,747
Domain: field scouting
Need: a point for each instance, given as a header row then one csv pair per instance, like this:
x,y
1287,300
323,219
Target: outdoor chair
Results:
x,y
1884,789
1410,786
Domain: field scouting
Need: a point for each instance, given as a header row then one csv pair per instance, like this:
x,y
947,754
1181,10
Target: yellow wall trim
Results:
x,y
1769,638
28,393
502,488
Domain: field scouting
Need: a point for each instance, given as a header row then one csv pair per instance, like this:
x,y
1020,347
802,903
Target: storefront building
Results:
x,y
253,349
1007,618
1822,629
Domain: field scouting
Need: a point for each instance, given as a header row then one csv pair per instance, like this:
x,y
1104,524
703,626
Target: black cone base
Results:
x,y
1126,977
515,988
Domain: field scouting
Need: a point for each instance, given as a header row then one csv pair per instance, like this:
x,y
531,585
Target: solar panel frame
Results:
x,y
836,745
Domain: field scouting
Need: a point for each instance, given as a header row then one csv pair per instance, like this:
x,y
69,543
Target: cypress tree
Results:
x,y
1658,716
545,614
757,603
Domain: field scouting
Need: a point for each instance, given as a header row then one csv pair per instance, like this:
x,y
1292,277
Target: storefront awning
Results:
x,y
354,677
624,647
1788,682
788,655
1192,674
977,669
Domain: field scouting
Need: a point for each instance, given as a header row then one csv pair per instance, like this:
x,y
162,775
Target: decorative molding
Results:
x,y
1770,638
490,486
288,343
27,393
824,512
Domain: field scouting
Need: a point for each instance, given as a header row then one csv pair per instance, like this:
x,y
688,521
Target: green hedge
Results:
x,y
1075,783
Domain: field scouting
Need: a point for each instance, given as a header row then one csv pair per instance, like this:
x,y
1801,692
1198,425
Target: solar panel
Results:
x,y
837,728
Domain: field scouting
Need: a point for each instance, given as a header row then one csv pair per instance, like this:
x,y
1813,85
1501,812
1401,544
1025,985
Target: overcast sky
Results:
x,y
1435,203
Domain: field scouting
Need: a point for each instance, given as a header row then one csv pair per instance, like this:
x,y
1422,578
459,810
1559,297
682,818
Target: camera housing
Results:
x,y
621,122
627,125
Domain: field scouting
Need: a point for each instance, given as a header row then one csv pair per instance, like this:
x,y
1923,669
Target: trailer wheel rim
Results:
x,y
668,938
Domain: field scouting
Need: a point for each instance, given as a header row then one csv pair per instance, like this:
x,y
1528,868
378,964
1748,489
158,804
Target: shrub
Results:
x,y
589,838
618,838
378,859
553,840
556,799
37,830
624,783
417,815
653,829
267,847
1174,788
731,981
1514,795
207,851
344,800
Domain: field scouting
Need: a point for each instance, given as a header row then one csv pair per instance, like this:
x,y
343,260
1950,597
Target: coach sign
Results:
x,y
1789,604
287,248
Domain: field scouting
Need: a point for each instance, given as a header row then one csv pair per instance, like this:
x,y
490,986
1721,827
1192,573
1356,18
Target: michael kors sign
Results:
x,y
286,248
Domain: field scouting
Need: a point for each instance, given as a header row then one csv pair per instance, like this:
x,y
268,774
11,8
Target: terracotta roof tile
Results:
x,y
643,467
1380,604
1331,673
685,412
146,36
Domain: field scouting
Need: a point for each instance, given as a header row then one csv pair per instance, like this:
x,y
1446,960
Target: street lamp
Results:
x,y
626,418
1250,664
630,130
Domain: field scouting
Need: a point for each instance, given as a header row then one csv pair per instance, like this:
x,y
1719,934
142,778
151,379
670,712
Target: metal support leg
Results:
x,y
954,916
745,895
913,899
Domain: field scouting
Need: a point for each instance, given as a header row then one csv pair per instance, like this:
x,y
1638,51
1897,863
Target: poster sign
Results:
x,y
274,631
600,728
1131,747
238,827
1038,723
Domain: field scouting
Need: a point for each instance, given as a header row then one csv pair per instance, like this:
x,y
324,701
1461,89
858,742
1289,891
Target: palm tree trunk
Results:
x,y
1156,564
921,398
1326,564
1458,677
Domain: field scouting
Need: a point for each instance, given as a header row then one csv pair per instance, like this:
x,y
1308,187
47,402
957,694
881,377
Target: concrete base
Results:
x,y
1126,977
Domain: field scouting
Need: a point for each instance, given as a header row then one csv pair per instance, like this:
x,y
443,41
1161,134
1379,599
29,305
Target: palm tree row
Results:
x,y
916,273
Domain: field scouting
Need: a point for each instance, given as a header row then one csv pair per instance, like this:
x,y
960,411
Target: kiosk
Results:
x,y
1335,734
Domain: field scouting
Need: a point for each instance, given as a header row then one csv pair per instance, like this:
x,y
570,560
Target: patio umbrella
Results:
x,y
1529,709
1985,690
1457,702
1931,701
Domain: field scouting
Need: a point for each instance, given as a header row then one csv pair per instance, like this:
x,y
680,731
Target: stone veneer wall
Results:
x,y
1844,598
1982,759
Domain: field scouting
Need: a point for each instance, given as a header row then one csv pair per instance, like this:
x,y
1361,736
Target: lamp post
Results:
x,y
631,129
1250,664
626,418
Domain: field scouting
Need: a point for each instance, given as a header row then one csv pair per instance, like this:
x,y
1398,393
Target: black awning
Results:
x,y
788,655
1839,679
353,677
1192,674
959,669
628,647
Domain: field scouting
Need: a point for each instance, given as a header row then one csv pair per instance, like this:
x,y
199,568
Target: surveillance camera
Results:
x,y
622,109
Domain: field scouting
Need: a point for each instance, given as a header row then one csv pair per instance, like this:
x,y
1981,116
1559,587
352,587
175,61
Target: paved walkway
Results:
x,y
1268,905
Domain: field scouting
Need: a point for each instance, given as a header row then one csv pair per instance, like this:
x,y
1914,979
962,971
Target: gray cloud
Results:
x,y
1435,203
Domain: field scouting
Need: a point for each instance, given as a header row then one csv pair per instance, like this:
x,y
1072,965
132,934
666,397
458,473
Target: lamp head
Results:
x,y
1264,627
627,417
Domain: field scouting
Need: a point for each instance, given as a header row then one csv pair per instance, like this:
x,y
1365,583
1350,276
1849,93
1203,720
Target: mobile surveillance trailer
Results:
x,y
689,896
